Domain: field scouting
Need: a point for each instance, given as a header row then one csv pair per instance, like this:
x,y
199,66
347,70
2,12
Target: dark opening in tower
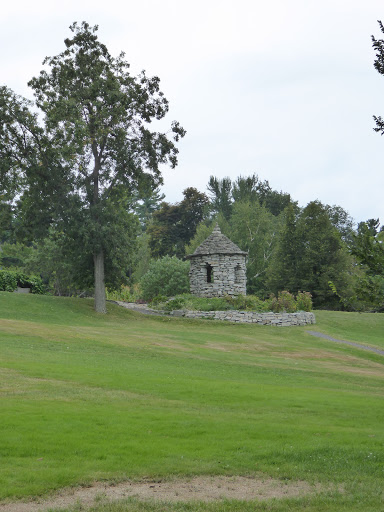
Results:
x,y
238,274
209,273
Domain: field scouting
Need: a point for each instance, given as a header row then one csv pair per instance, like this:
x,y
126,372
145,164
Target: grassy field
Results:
x,y
88,397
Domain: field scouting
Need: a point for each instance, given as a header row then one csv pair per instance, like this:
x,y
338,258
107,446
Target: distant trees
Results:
x,y
249,212
256,230
224,193
368,248
310,253
173,226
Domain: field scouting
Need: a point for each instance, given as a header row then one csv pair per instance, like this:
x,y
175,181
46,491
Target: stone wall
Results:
x,y
252,317
228,275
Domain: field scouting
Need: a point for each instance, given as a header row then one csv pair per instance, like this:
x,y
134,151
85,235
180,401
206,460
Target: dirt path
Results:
x,y
358,345
195,489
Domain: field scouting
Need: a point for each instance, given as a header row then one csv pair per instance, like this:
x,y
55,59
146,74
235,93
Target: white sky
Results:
x,y
284,89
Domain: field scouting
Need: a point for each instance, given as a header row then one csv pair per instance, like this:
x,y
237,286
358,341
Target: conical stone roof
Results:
x,y
217,243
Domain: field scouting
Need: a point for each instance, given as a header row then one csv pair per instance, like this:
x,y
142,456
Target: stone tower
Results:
x,y
217,267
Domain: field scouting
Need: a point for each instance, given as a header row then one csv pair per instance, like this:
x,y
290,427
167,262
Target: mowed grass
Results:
x,y
87,397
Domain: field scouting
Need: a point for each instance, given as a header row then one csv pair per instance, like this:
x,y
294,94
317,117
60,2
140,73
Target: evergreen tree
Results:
x,y
220,196
283,271
311,254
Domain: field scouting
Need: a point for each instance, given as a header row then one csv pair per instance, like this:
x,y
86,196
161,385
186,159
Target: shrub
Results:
x,y
209,304
167,276
124,293
10,280
247,302
159,299
304,301
176,303
286,302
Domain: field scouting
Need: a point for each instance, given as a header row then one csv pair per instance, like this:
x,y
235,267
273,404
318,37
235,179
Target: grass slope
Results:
x,y
85,396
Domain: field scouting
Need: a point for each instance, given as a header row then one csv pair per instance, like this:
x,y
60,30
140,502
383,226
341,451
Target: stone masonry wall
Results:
x,y
228,271
252,317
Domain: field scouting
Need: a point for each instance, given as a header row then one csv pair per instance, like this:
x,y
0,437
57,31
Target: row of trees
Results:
x,y
314,248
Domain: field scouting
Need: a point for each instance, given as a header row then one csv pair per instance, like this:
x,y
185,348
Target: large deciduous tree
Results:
x,y
93,148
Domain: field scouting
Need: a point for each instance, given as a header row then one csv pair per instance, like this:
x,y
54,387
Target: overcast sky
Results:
x,y
284,89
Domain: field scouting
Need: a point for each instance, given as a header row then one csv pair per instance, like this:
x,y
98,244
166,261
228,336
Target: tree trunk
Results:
x,y
100,300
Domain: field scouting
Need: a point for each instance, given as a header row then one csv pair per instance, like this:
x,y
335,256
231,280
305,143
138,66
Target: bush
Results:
x,y
286,302
167,276
159,299
124,293
247,302
10,280
172,304
304,301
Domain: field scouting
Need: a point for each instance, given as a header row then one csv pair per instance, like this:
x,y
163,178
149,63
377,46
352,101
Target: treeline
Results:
x,y
315,248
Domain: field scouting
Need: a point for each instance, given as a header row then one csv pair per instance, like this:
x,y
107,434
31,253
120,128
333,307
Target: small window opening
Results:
x,y
209,273
238,274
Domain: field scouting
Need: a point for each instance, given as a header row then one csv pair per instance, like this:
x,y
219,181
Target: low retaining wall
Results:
x,y
251,317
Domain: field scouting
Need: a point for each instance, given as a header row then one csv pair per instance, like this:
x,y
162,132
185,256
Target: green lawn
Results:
x,y
86,396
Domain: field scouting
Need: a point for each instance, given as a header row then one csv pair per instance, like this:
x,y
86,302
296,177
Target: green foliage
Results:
x,y
145,202
15,255
159,299
167,276
284,302
220,196
193,303
342,221
304,301
10,280
124,293
310,253
368,246
142,258
251,189
172,304
367,287
367,294
175,225
255,230
248,302
203,231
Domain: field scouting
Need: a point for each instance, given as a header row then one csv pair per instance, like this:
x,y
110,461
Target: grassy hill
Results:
x,y
86,397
